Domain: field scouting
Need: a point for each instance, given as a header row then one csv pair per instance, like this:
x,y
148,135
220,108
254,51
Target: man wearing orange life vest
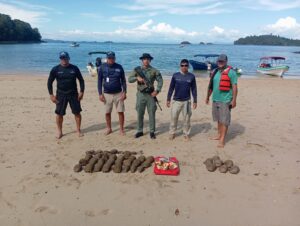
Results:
x,y
223,87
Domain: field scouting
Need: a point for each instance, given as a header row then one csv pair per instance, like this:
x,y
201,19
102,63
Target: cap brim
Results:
x,y
150,58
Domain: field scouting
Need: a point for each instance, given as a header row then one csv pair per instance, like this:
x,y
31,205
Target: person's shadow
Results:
x,y
102,126
235,129
200,128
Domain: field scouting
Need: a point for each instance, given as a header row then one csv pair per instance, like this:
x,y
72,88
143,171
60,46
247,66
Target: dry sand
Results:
x,y
39,188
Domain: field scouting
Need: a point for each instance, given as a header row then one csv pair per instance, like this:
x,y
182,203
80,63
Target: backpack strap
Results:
x,y
212,75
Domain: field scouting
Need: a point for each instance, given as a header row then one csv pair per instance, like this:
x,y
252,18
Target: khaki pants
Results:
x,y
176,109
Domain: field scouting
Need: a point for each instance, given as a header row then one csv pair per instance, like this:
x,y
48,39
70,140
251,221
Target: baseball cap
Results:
x,y
64,55
222,57
110,54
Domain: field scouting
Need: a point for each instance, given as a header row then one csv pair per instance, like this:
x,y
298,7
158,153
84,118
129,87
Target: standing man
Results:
x,y
112,90
223,87
65,75
184,83
145,76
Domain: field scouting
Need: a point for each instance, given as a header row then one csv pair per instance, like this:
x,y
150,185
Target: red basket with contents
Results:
x,y
166,166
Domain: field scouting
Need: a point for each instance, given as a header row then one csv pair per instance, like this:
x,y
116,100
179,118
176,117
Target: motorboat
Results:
x,y
207,62
272,65
98,58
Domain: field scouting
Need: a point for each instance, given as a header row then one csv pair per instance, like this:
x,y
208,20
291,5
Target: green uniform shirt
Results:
x,y
223,96
152,74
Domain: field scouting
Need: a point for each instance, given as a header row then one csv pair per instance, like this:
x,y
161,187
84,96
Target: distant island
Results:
x,y
203,43
185,43
17,31
267,40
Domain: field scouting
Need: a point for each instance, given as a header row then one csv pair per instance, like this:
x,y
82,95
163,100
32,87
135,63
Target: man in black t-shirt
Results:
x,y
65,75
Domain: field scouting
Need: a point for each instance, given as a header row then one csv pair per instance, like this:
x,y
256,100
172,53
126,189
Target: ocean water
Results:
x,y
38,59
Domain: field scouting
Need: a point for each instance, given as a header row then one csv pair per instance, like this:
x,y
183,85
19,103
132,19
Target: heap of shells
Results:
x,y
114,160
224,166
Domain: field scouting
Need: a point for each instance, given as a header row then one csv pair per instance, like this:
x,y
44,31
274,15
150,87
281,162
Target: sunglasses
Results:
x,y
184,65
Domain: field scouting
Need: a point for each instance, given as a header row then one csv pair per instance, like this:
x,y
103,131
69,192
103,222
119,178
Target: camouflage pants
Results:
x,y
144,100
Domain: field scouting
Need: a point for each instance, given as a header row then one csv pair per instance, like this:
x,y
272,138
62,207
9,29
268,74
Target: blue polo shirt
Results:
x,y
111,79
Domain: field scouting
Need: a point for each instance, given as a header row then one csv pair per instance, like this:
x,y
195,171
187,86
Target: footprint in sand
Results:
x,y
46,209
91,213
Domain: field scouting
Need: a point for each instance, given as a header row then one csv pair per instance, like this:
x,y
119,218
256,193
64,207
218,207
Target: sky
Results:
x,y
157,21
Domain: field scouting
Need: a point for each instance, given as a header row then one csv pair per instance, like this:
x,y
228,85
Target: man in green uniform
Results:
x,y
224,90
146,93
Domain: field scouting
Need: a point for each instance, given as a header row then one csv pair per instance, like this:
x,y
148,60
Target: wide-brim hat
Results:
x,y
146,56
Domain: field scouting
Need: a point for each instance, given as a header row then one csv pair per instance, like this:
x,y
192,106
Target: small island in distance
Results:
x,y
185,43
273,40
17,31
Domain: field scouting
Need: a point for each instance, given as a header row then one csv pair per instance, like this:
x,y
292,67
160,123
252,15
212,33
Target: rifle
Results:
x,y
149,88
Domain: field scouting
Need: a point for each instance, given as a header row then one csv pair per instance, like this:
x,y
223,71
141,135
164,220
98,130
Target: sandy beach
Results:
x,y
39,188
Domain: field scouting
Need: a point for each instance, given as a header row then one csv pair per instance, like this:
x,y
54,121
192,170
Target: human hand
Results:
x,y
102,98
168,104
154,93
140,79
80,96
194,106
123,96
53,99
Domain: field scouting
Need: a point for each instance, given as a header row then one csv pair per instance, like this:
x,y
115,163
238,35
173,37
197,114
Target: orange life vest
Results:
x,y
225,84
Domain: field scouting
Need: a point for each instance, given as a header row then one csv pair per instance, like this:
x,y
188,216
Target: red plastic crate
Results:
x,y
173,172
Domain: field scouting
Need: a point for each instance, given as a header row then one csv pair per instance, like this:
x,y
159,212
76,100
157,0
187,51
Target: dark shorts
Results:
x,y
63,100
221,113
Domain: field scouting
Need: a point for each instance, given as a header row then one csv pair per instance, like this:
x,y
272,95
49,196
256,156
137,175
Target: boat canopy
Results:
x,y
97,52
272,58
206,55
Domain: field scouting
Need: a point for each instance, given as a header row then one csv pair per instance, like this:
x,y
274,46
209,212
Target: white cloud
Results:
x,y
150,31
287,27
179,7
277,5
131,18
33,14
91,15
217,30
194,7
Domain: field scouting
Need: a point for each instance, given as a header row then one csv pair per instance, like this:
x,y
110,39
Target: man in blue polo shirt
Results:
x,y
184,83
112,90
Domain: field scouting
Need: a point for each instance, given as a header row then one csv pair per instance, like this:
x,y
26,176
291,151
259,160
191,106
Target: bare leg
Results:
x,y
121,121
222,137
108,123
217,137
59,123
78,124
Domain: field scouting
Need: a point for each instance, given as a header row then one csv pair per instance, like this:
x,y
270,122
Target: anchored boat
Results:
x,y
75,44
208,62
93,68
272,65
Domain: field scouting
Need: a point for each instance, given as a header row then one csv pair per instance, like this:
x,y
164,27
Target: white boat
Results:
x,y
75,44
272,65
93,68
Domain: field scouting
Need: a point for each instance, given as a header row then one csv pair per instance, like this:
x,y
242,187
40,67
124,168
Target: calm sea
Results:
x,y
38,59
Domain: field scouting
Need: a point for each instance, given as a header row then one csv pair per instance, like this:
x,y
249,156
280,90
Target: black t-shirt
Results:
x,y
66,79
